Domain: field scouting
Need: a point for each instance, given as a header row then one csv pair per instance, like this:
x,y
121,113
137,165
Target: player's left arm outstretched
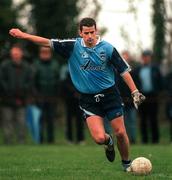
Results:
x,y
17,33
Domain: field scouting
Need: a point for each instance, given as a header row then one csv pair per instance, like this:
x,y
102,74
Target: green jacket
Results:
x,y
46,78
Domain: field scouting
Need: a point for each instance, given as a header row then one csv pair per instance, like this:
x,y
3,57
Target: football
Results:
x,y
141,166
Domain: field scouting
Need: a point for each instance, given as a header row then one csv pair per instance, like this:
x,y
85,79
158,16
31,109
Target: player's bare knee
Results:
x,y
100,139
121,133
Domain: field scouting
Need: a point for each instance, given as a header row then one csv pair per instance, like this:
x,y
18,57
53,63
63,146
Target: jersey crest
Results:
x,y
103,55
85,55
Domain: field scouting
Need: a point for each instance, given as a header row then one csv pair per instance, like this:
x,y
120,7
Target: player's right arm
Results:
x,y
123,69
17,33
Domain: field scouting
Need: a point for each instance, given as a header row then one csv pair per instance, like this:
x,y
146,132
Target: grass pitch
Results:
x,y
75,162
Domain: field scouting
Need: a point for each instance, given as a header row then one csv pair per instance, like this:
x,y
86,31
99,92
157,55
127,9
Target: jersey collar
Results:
x,y
98,41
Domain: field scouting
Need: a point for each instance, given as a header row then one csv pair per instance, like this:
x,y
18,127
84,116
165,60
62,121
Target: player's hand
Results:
x,y
138,98
17,33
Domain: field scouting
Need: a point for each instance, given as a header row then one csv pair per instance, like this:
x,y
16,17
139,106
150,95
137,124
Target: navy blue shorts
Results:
x,y
108,103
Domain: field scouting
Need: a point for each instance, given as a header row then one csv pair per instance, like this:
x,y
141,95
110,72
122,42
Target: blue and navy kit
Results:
x,y
91,69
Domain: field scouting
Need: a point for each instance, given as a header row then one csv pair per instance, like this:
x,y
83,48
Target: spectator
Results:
x,y
149,80
74,121
168,88
15,79
46,78
130,115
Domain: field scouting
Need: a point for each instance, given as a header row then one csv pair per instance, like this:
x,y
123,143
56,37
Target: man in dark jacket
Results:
x,y
130,115
46,78
73,114
168,87
16,82
149,80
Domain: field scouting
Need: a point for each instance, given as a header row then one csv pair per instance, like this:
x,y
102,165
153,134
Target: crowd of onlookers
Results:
x,y
32,93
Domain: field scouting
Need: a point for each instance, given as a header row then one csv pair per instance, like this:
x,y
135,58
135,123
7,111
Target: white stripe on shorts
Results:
x,y
87,112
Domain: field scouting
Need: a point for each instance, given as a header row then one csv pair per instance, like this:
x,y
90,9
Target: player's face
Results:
x,y
89,35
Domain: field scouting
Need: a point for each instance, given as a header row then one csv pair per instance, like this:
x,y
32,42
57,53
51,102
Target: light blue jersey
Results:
x,y
91,69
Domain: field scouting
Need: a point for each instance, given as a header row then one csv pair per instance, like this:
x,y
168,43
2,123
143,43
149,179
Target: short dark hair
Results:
x,y
147,52
89,22
17,45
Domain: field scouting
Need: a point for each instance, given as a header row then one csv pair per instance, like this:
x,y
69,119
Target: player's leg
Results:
x,y
96,127
93,113
122,140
